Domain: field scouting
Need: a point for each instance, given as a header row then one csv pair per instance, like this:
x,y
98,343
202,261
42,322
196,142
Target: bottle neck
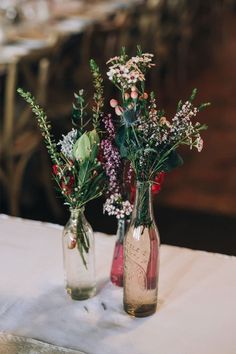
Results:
x,y
143,210
76,213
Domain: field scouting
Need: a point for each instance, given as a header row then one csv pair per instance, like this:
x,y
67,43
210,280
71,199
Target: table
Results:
x,y
196,310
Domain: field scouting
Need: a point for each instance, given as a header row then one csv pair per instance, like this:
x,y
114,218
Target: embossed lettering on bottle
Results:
x,y
141,258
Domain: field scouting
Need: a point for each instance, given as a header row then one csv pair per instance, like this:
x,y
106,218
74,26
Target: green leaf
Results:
x,y
120,136
75,115
180,103
173,160
203,106
161,113
82,148
123,151
83,171
94,143
93,137
139,50
120,141
193,95
129,117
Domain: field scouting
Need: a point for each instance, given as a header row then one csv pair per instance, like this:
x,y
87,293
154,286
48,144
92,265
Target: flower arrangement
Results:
x,y
135,141
145,136
77,170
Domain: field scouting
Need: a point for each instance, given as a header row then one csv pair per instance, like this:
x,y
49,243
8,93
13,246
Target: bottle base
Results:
x,y
140,310
81,293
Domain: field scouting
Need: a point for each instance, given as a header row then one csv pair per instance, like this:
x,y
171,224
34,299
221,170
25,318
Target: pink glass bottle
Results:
x,y
117,266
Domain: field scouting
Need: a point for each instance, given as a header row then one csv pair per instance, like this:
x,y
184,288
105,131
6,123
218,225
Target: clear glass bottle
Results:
x,y
79,264
117,267
141,256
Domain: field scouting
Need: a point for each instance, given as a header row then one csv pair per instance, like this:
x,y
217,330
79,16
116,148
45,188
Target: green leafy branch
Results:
x,y
44,126
98,94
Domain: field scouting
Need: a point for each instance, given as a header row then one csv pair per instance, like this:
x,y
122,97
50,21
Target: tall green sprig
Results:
x,y
51,145
98,97
79,112
44,126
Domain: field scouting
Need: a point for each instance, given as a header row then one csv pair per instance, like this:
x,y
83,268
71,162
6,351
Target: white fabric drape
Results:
x,y
197,298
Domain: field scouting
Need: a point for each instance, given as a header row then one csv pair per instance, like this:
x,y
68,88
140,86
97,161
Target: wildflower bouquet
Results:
x,y
145,137
77,171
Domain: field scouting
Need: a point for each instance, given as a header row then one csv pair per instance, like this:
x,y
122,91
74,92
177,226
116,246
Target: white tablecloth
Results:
x,y
197,298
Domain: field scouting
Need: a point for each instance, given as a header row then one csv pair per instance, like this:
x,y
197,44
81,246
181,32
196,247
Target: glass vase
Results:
x,y
117,267
79,256
141,256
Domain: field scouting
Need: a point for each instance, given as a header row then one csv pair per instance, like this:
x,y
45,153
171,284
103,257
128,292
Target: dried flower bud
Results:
x,y
119,110
134,95
134,89
163,120
72,243
145,95
113,103
131,106
127,96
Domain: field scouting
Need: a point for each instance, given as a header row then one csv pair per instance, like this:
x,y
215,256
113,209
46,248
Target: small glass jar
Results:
x,y
79,256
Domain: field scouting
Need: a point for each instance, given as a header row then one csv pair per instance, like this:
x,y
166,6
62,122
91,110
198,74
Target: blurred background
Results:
x,y
45,46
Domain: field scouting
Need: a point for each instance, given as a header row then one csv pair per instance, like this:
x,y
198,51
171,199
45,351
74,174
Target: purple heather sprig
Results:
x,y
112,164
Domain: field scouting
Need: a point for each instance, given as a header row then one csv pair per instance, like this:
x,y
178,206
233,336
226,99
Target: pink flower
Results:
x,y
134,95
199,144
145,95
113,103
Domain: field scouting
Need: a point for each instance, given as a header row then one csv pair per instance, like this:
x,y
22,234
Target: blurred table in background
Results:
x,y
34,55
45,48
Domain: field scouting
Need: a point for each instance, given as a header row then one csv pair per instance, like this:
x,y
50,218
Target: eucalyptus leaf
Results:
x,y
82,148
120,136
123,151
129,116
173,160
83,171
94,143
193,95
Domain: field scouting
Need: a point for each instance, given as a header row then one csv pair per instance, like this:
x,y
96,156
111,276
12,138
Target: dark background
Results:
x,y
195,46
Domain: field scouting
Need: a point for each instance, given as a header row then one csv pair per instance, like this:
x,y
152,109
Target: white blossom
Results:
x,y
67,143
114,205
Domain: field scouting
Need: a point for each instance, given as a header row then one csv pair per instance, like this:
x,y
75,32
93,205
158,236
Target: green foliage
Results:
x,y
173,160
129,117
82,179
193,95
203,106
79,111
98,93
82,148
